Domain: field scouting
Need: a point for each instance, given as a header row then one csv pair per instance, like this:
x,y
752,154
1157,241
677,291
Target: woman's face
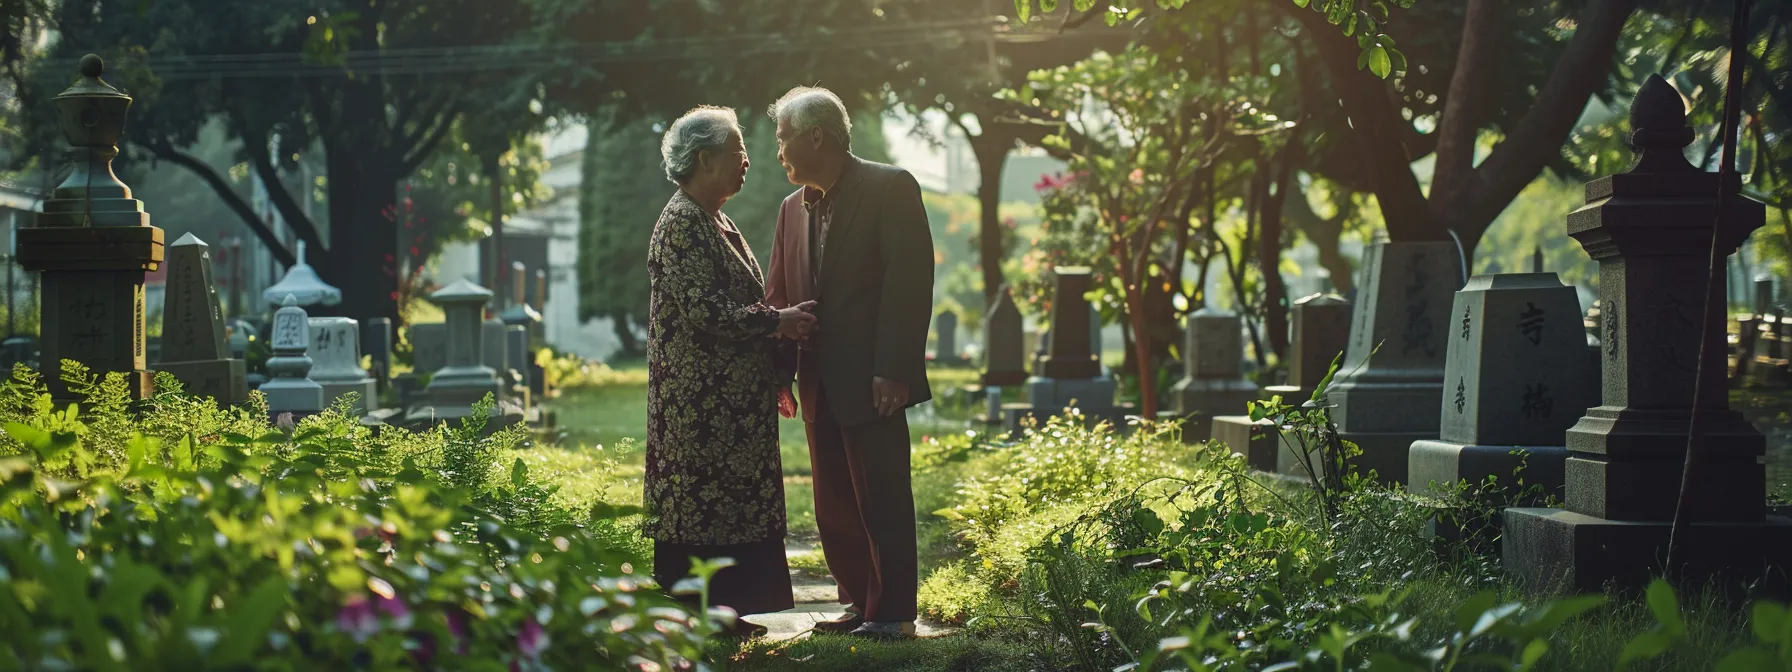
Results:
x,y
726,166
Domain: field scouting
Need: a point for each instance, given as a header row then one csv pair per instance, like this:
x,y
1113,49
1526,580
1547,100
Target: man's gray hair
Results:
x,y
704,127
809,107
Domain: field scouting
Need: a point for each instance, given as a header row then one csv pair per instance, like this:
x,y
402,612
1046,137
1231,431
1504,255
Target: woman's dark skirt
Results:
x,y
758,583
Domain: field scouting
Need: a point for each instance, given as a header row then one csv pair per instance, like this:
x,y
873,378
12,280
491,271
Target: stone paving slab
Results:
x,y
816,601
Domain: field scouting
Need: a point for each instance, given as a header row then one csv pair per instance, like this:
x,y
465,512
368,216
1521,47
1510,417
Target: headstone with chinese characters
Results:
x,y
1388,398
194,348
289,388
464,378
91,245
1516,378
1213,382
1650,229
336,356
1321,326
1070,374
1004,352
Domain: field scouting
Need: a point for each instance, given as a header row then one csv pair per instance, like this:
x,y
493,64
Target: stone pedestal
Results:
x,y
1256,441
1387,401
1213,347
288,389
1517,377
1650,230
1004,354
194,348
336,356
91,245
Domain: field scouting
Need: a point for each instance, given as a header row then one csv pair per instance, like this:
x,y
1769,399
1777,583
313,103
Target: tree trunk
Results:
x,y
496,265
1269,251
362,259
991,149
630,347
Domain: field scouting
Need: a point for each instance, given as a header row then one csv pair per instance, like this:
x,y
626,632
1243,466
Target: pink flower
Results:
x,y
358,618
394,609
457,626
531,639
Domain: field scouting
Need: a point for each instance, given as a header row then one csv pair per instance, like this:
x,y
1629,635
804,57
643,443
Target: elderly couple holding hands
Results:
x,y
842,307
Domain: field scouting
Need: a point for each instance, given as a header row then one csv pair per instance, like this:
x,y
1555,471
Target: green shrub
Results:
x,y
202,539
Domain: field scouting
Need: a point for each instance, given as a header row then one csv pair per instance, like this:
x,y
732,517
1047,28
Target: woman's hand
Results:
x,y
796,321
786,403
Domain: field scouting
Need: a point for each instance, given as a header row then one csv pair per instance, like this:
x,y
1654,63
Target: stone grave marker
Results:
x,y
1387,399
289,388
194,348
1213,382
1070,372
336,353
1321,326
519,311
945,331
18,350
376,341
1004,357
1517,377
429,347
497,356
91,245
464,378
1650,229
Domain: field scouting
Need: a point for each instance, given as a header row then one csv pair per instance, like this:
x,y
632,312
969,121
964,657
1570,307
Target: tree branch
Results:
x,y
1538,136
410,139
290,210
1463,109
231,199
420,153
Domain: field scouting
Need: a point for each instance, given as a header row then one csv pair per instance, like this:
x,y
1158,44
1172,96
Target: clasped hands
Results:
x,y
797,322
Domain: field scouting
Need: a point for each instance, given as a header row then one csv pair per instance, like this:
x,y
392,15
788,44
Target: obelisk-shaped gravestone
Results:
x,y
194,349
1517,377
1004,353
1386,399
336,355
1213,382
289,388
1650,229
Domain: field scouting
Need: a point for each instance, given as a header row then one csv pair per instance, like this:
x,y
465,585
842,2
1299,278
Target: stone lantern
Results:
x,y
92,245
1650,230
302,283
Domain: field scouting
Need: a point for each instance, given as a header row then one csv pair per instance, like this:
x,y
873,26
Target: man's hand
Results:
x,y
796,321
889,396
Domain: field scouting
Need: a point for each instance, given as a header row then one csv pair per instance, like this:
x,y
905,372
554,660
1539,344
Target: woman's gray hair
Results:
x,y
704,127
814,107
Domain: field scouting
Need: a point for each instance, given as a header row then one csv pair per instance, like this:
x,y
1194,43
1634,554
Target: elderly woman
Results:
x,y
714,483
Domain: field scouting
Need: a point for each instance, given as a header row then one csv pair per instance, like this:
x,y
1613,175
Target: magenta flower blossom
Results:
x,y
531,639
395,610
358,618
457,626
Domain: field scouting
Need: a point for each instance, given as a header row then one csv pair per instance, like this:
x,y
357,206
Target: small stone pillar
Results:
x,y
194,349
1387,401
336,350
376,340
289,388
519,311
464,378
945,330
516,354
1516,378
1004,352
91,245
1213,381
1650,230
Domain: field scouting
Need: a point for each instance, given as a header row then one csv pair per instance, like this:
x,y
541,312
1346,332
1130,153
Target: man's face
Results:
x,y
797,151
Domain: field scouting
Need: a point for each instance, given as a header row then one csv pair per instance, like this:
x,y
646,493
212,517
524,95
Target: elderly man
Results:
x,y
854,239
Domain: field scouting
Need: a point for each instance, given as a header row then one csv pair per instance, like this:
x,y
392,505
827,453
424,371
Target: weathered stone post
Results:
x,y
92,244
1650,229
464,378
289,388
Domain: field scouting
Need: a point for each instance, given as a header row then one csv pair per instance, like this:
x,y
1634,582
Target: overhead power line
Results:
x,y
463,59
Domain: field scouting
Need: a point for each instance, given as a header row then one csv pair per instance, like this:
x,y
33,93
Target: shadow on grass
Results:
x,y
955,653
